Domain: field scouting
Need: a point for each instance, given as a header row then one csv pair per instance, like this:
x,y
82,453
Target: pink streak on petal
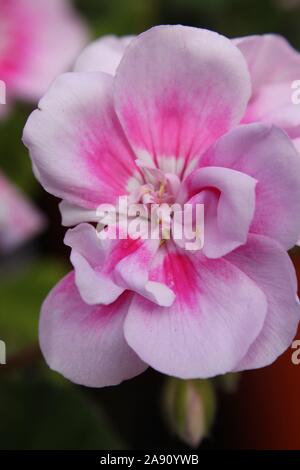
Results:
x,y
207,329
178,89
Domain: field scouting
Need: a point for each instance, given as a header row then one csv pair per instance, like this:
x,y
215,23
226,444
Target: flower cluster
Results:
x,y
176,115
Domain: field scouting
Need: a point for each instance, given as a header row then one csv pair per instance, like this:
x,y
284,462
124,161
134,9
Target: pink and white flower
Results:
x,y
38,41
19,219
173,110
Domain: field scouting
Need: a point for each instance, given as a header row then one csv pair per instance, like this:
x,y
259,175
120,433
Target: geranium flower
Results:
x,y
166,126
19,219
38,41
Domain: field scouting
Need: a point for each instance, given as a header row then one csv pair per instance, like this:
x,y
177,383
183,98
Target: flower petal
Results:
x,y
229,203
105,268
134,270
273,66
32,34
217,314
77,146
86,344
268,155
103,55
269,266
178,89
88,258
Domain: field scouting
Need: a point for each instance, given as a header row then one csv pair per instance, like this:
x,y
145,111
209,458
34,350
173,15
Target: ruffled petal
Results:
x,y
268,155
104,268
228,197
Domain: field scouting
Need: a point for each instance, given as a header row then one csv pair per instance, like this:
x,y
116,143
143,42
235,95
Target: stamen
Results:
x,y
161,189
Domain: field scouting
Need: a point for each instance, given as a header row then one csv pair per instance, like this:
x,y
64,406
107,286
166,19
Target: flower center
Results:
x,y
151,211
158,187
157,198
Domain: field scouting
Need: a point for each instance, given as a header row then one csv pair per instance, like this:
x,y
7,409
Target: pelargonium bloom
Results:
x,y
172,110
38,41
19,219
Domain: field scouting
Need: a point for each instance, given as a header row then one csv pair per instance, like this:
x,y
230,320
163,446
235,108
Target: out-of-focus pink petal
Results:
x,y
264,65
103,55
275,106
86,343
32,35
268,155
267,264
208,330
229,203
177,90
19,219
273,66
78,148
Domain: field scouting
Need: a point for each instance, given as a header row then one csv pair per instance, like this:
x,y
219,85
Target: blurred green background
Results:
x,y
38,408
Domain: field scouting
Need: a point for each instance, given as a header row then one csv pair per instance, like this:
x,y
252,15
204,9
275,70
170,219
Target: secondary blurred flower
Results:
x,y
19,219
274,65
189,406
160,128
38,41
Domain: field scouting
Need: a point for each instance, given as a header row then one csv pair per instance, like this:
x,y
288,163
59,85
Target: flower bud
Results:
x,y
189,406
